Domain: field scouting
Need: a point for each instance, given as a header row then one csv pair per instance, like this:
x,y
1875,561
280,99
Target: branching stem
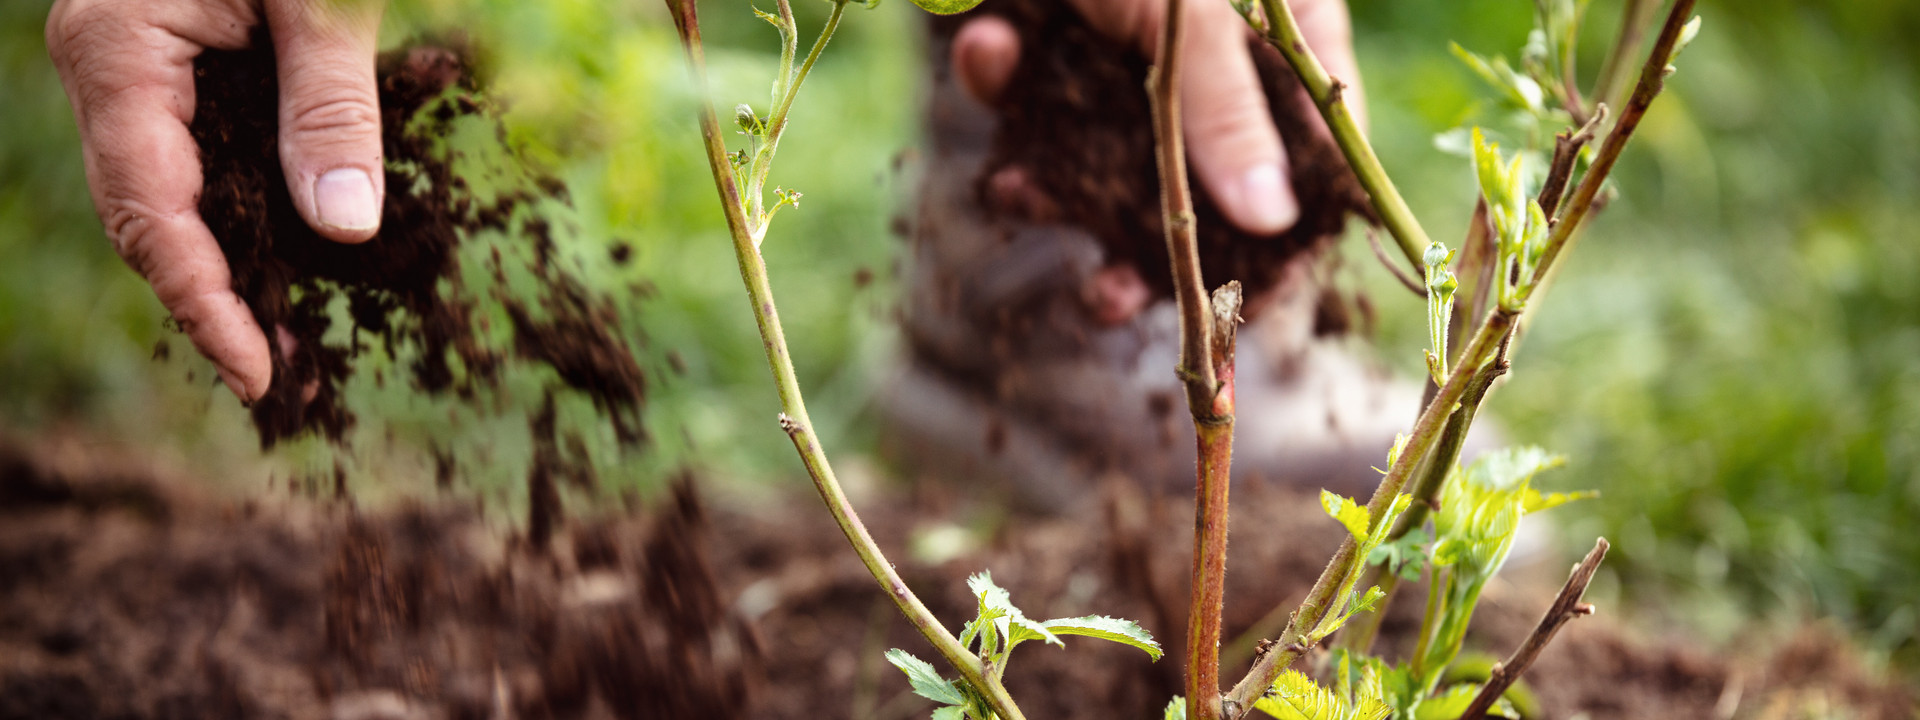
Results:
x,y
1489,340
793,418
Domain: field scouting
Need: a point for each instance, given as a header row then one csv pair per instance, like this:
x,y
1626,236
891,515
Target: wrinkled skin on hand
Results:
x,y
127,66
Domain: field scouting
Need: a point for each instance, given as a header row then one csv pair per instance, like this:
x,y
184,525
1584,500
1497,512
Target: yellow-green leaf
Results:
x,y
1351,514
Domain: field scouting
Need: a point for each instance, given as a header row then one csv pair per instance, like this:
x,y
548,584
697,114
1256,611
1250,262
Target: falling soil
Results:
x,y
403,288
131,596
1074,144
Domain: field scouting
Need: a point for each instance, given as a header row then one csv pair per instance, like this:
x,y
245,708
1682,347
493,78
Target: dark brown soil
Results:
x,y
403,289
132,597
1074,120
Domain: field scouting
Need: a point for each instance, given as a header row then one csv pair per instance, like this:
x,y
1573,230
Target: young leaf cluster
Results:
x,y
1480,511
996,629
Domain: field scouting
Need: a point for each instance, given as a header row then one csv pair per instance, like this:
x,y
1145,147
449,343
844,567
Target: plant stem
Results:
x,y
1328,94
1426,434
793,418
1360,632
1565,607
1652,81
777,120
1206,368
1633,22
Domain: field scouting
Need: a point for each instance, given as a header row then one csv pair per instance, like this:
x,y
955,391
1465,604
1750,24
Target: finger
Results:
x,y
985,52
1114,295
129,75
1231,138
1230,135
1329,32
330,113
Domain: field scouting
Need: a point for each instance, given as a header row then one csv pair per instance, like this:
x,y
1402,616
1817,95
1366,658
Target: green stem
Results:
x,y
777,121
793,418
1328,94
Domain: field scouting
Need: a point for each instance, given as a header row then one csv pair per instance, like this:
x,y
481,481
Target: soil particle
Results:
x,y
131,597
403,289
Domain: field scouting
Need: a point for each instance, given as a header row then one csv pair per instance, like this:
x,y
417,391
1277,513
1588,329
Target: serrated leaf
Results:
x,y
1350,514
1176,709
1405,557
946,7
950,712
1020,629
997,604
926,681
1120,630
1294,696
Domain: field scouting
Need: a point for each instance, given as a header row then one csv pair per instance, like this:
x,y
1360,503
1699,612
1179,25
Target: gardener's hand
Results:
x,y
1231,139
128,69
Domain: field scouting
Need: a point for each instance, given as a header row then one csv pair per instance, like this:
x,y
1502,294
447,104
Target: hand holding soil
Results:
x,y
127,66
1236,150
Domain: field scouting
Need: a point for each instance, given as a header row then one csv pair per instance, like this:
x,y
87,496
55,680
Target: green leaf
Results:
x,y
1519,89
950,712
926,681
1012,624
1406,556
1125,632
1294,696
1351,514
946,7
1176,709
1535,501
1448,704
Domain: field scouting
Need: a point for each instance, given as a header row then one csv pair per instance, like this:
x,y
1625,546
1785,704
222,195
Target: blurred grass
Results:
x,y
1730,356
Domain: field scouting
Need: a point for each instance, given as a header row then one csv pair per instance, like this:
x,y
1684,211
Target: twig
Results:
x,y
1565,607
793,418
1327,91
1634,15
1399,273
1206,368
1652,81
1566,154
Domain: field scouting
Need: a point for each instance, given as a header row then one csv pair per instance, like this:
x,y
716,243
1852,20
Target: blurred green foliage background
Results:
x,y
1732,356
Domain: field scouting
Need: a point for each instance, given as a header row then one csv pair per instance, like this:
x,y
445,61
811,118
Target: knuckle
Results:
x,y
133,228
334,112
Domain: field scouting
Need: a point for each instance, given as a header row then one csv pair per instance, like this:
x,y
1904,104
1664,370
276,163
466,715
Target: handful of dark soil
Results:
x,y
1074,118
404,290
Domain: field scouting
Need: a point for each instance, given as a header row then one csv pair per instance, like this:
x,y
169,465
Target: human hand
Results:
x,y
127,66
1232,143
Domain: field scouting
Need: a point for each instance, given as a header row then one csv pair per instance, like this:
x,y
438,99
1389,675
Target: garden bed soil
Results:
x,y
135,596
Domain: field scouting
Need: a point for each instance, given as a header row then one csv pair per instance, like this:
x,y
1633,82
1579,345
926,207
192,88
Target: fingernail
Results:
x,y
233,383
1265,204
344,198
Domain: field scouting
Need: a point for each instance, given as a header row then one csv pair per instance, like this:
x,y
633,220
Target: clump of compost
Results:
x,y
404,291
1074,119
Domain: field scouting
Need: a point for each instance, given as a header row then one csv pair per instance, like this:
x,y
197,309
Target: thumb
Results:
x,y
330,113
